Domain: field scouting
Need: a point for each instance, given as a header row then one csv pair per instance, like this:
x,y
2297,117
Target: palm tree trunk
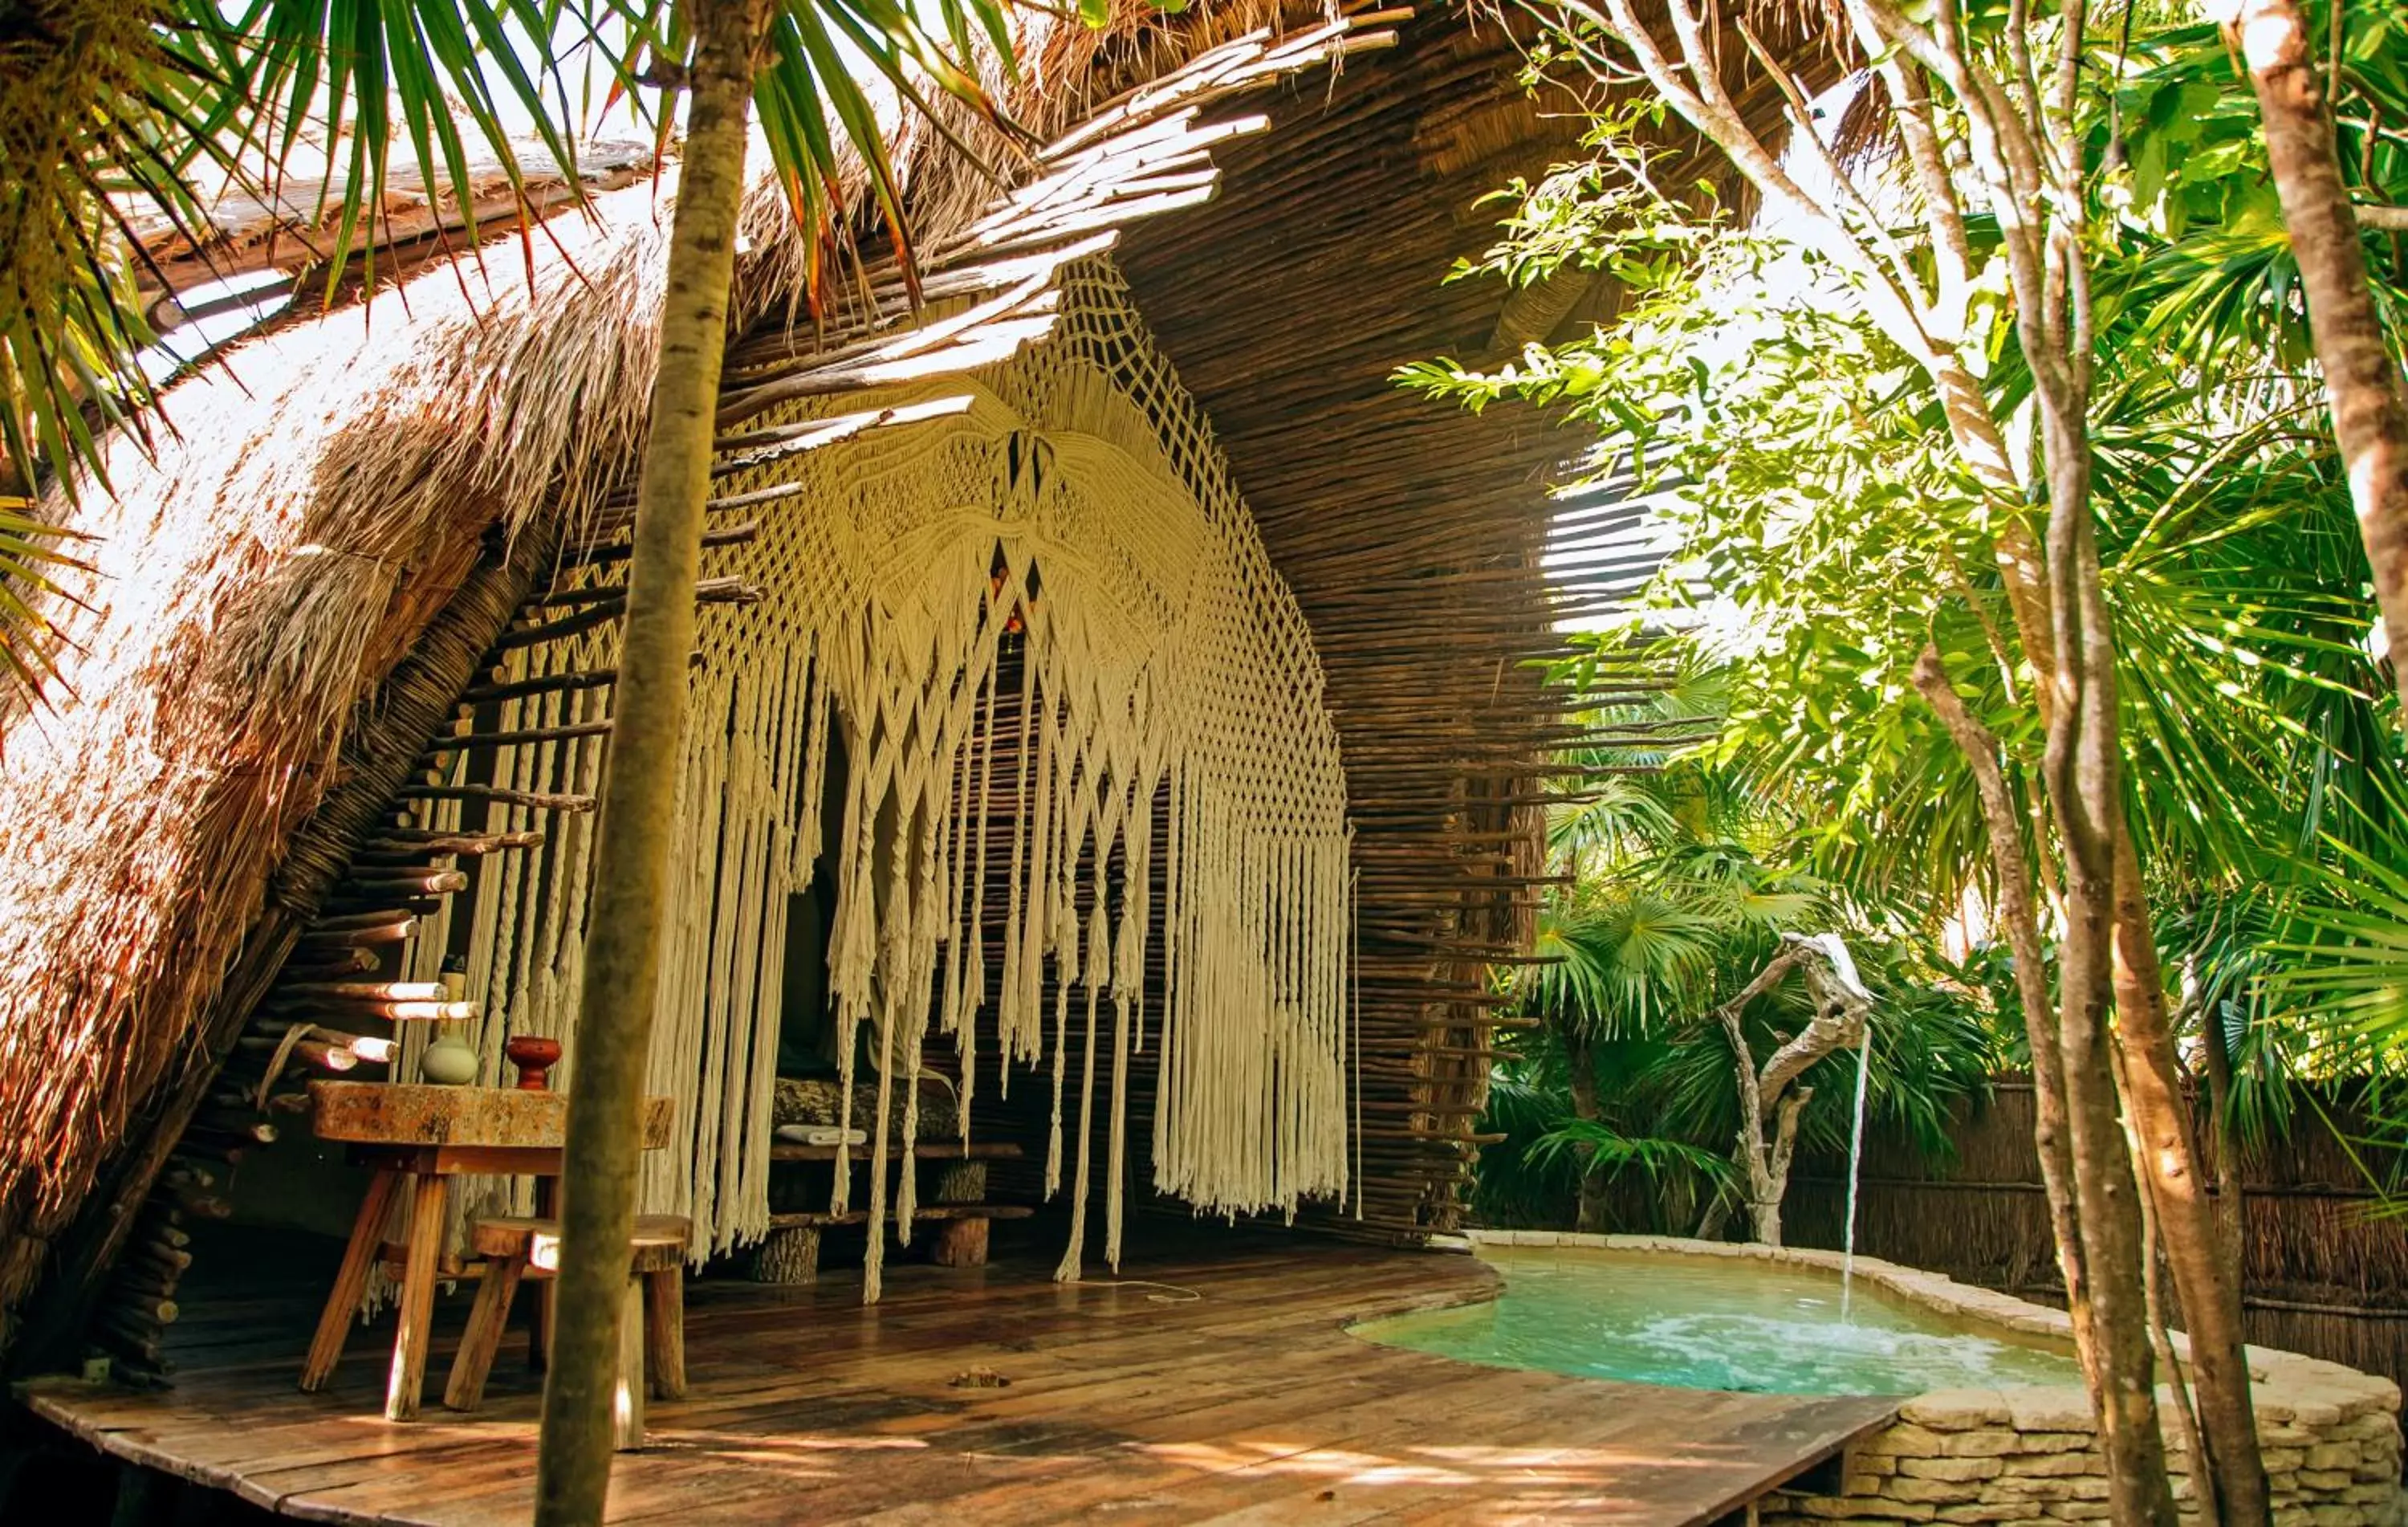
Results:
x,y
632,862
2369,413
2206,1282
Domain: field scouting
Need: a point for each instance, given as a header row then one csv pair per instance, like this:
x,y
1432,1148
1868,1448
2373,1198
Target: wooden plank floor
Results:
x,y
1221,1390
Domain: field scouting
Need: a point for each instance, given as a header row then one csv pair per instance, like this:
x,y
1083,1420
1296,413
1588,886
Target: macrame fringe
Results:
x,y
1069,500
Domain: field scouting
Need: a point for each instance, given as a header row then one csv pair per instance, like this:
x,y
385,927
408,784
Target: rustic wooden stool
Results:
x,y
651,1329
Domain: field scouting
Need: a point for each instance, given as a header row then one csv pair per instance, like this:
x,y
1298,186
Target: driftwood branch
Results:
x,y
1770,1099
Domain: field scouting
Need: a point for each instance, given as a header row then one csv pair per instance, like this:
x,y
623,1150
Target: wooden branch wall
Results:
x,y
1412,532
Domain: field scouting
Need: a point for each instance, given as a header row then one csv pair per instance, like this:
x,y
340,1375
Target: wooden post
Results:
x,y
474,1362
665,1332
789,1256
627,1393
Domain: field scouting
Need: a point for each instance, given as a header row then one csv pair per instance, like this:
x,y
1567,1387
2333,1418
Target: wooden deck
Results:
x,y
1222,1391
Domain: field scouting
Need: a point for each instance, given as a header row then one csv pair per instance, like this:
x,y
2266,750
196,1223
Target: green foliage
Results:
x,y
1611,1154
29,554
113,109
1823,534
1686,877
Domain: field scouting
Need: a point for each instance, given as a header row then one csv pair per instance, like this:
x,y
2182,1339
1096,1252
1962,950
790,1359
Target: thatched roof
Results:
x,y
332,488
291,228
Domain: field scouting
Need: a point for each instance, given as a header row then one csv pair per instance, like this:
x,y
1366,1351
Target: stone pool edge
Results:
x,y
2028,1457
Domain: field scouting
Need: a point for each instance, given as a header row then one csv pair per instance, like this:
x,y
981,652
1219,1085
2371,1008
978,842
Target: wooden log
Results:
x,y
392,1012
183,1173
533,800
501,689
561,629
368,884
385,931
203,1205
166,1259
601,550
364,991
339,963
342,922
323,1053
789,1256
370,1049
529,737
232,1126
158,1228
464,844
145,1290
142,1346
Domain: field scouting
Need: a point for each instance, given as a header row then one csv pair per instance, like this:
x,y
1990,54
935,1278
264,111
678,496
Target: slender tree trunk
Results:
x,y
2083,769
2205,1497
1579,1057
632,863
2206,1283
1771,1095
2368,411
2019,912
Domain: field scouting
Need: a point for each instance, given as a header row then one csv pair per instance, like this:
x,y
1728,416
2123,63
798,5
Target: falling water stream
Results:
x,y
1855,1171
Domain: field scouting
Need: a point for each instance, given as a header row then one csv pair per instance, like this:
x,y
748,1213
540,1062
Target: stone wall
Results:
x,y
2029,1457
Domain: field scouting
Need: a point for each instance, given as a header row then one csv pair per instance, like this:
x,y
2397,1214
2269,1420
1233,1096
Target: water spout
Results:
x,y
1855,1171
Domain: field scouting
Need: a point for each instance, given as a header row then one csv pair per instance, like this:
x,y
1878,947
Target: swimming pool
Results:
x,y
1715,1322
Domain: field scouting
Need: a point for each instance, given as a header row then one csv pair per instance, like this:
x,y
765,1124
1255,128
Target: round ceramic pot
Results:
x,y
448,1062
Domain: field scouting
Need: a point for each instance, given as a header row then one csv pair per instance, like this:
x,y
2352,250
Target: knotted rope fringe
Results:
x,y
1164,660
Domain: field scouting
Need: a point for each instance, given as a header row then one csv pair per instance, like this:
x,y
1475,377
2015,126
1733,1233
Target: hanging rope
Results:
x,y
1070,501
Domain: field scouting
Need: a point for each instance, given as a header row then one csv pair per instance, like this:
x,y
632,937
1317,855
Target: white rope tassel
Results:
x,y
1066,507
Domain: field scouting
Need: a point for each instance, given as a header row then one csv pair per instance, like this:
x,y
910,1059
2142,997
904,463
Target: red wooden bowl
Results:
x,y
534,1055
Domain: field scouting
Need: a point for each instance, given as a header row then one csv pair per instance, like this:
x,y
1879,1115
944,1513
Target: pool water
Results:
x,y
1701,1323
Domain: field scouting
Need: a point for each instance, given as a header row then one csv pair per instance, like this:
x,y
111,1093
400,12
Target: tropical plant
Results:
x,y
29,554
121,114
1851,415
1681,892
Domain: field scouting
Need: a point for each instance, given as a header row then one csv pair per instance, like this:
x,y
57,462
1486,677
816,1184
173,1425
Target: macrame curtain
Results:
x,y
1071,493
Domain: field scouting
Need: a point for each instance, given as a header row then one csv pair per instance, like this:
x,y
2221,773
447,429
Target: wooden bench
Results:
x,y
651,1329
954,1207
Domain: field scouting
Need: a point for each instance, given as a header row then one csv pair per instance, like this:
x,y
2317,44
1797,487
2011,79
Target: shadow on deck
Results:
x,y
1221,1390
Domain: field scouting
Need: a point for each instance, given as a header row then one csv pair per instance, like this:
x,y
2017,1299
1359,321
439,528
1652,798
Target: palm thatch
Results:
x,y
329,490
323,494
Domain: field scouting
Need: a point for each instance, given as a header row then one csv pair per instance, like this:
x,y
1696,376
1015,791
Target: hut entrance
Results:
x,y
1012,815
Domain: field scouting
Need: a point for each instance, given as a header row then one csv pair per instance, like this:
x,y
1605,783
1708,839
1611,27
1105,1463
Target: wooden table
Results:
x,y
419,1136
